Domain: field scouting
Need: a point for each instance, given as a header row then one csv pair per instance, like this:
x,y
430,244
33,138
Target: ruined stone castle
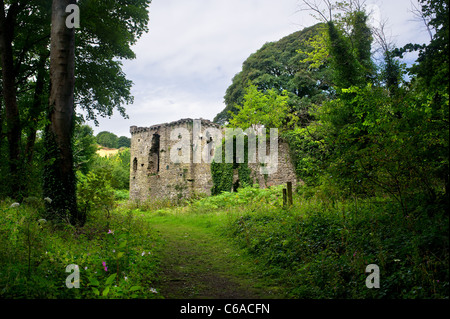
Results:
x,y
156,171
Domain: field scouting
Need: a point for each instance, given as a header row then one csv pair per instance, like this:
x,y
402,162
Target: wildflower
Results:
x,y
153,290
14,205
143,253
126,278
85,268
48,200
113,250
110,232
104,265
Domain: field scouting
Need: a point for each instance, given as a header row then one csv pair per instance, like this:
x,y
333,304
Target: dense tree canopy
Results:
x,y
107,31
111,140
277,65
369,131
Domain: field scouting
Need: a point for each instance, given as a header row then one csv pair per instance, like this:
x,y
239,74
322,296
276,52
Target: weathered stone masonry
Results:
x,y
153,175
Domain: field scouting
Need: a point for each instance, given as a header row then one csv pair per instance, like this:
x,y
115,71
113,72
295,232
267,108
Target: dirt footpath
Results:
x,y
197,265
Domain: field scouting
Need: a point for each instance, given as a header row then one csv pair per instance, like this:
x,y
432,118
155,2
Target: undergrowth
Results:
x,y
317,248
320,249
115,254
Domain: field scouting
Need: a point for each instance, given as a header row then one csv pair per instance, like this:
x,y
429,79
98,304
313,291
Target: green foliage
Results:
x,y
106,180
94,191
222,172
308,152
35,253
84,147
108,31
375,159
433,64
106,35
264,108
246,197
345,66
380,137
276,65
115,168
319,248
316,53
361,145
108,139
124,141
121,194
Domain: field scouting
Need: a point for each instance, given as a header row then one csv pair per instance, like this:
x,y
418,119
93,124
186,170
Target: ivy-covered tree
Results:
x,y
59,175
385,136
431,85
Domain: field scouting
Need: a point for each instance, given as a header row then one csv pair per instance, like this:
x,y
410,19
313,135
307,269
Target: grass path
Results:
x,y
199,263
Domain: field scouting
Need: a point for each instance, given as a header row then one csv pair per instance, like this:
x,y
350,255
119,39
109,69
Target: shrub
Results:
x,y
116,257
319,248
94,192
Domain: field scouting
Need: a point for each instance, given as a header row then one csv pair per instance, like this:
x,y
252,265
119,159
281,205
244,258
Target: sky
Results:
x,y
187,60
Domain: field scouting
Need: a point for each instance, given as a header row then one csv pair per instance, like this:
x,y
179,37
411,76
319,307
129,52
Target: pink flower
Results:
x,y
104,265
110,232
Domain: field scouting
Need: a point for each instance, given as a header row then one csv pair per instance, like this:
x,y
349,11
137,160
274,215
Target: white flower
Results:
x,y
14,205
48,200
143,253
126,278
153,290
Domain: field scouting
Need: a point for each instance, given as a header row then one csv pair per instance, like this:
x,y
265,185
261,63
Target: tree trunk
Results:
x,y
13,134
59,179
1,117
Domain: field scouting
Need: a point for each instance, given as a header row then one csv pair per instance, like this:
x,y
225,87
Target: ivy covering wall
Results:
x,y
222,172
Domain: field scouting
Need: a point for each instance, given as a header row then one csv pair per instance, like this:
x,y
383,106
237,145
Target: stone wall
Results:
x,y
285,171
154,174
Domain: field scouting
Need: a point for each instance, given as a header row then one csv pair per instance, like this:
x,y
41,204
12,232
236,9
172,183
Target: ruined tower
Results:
x,y
153,173
156,171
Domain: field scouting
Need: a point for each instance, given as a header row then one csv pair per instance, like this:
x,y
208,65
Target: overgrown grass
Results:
x,y
320,249
116,255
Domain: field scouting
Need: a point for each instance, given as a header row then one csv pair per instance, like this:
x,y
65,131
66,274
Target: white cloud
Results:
x,y
193,49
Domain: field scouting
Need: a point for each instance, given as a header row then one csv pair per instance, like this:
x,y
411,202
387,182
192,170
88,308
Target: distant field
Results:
x,y
104,151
